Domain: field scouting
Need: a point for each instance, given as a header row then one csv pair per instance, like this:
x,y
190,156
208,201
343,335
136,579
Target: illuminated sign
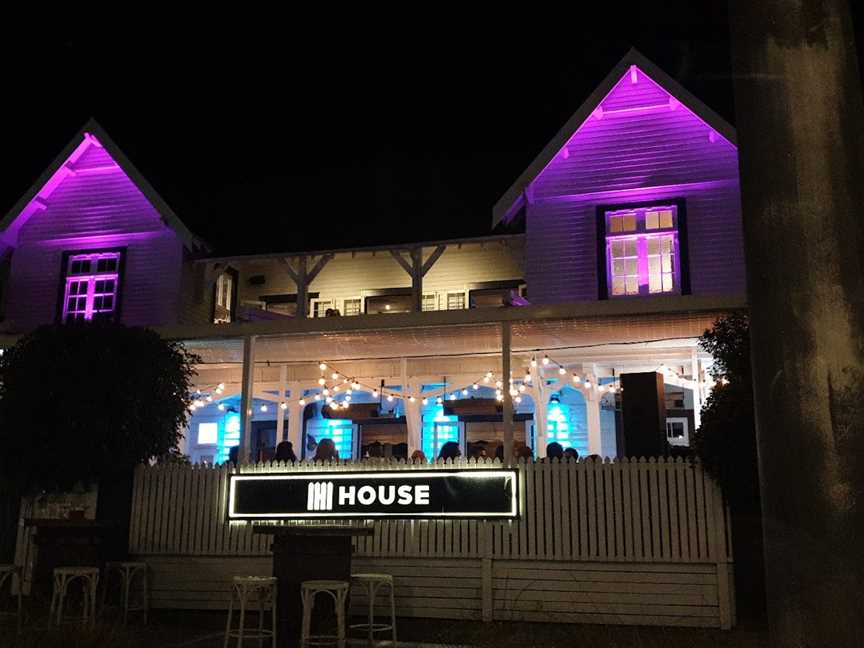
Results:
x,y
469,493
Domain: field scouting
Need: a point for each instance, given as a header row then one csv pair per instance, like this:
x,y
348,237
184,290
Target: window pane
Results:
x,y
615,224
632,267
651,220
667,263
455,301
630,247
666,244
668,283
207,433
351,306
653,245
618,285
654,265
629,223
632,285
617,248
666,218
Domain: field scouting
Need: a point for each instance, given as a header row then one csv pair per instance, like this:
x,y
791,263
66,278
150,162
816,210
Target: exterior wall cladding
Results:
x,y
644,146
97,207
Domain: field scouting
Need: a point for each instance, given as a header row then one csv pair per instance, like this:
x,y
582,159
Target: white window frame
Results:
x,y
317,306
683,441
359,301
90,279
454,293
435,305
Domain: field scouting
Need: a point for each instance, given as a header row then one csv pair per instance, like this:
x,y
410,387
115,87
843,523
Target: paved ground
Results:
x,y
204,630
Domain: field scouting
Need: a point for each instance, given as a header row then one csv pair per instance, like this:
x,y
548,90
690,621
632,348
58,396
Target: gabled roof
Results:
x,y
514,198
90,134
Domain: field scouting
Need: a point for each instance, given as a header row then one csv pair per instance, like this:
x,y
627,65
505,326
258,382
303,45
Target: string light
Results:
x,y
439,400
302,402
317,397
323,366
263,408
576,379
517,400
545,360
587,384
425,401
209,398
221,407
486,379
411,399
347,399
328,400
562,370
374,393
334,375
389,398
284,406
464,392
452,397
325,391
522,388
475,386
533,362
321,381
499,384
527,378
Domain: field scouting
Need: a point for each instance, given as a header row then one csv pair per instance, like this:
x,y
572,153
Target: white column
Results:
x,y
295,417
280,413
697,390
246,390
413,411
592,408
505,388
540,394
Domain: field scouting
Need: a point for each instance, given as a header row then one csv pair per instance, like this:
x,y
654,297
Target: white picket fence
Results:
x,y
641,541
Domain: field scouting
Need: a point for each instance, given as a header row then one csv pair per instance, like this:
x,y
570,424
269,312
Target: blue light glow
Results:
x,y
438,429
229,436
342,433
558,424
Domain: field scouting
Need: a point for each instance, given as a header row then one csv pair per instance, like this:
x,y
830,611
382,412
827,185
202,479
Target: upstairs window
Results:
x,y
456,301
91,286
642,251
225,297
352,307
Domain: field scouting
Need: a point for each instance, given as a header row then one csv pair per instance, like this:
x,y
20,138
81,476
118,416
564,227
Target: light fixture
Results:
x,y
576,379
209,398
522,388
533,362
328,400
439,400
284,406
486,379
411,399
347,399
517,400
263,408
336,388
545,359
325,391
323,366
464,392
475,386
374,393
317,397
499,384
386,306
425,401
221,407
452,397
321,381
220,386
389,398
301,402
587,384
562,370
528,377
334,375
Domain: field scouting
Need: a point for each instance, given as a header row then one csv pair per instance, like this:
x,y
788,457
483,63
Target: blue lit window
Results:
x,y
342,433
558,426
438,430
229,437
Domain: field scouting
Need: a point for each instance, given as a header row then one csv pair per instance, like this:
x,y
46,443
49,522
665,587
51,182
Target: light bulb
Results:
x,y
349,391
425,401
411,399
263,408
326,391
513,392
221,386
517,400
375,393
486,379
522,388
221,407
348,399
545,359
334,375
323,366
321,381
464,392
533,362
284,406
527,377
317,397
301,402
576,378
336,388
452,397
587,384
562,370
500,397
389,398
498,384
475,386
439,400
355,385
209,398
328,400
489,374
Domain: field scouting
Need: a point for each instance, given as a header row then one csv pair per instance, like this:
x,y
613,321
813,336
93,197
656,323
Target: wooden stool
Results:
x,y
127,571
338,591
11,572
264,588
63,576
371,583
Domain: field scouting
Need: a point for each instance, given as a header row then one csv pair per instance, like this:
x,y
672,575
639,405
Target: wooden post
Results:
x,y
295,417
592,411
417,269
302,288
540,392
697,392
244,451
413,411
505,389
800,118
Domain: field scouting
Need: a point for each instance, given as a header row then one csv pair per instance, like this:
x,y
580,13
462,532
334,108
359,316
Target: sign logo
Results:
x,y
469,493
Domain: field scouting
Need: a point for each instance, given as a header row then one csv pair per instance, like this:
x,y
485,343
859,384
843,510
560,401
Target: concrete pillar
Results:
x,y
246,390
800,117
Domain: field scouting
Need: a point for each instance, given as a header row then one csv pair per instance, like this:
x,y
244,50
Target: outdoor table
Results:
x,y
306,553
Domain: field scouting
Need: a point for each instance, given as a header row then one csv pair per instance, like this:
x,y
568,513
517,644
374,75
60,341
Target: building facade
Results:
x,y
632,247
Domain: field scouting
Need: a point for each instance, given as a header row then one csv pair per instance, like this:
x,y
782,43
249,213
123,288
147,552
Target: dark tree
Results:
x,y
87,403
726,445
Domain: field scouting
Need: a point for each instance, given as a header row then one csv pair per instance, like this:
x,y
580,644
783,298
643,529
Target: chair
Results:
x,y
128,571
371,584
63,577
338,591
11,572
242,588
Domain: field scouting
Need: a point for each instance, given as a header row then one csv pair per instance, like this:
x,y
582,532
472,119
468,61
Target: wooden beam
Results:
x,y
323,260
397,254
427,266
291,271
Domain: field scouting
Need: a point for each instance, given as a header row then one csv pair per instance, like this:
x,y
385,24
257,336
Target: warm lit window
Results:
x,y
455,301
352,307
320,307
642,251
91,289
224,299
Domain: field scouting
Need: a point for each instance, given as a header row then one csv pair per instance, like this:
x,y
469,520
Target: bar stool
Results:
x,y
128,571
338,591
371,583
63,576
264,589
11,572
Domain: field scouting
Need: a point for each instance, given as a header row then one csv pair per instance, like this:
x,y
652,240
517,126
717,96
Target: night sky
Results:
x,y
305,135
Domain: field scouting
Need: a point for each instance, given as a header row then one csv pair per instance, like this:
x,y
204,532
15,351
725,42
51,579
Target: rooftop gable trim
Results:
x,y
514,198
91,134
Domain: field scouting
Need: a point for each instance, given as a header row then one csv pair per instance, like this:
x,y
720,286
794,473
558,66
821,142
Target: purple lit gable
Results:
x,y
639,141
91,239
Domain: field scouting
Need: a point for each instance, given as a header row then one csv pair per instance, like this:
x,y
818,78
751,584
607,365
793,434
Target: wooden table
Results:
x,y
303,553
